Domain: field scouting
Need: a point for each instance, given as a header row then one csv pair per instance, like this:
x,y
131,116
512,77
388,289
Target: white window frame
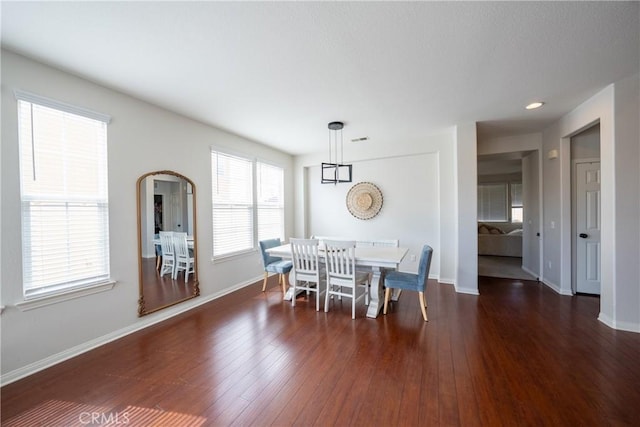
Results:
x,y
85,283
256,206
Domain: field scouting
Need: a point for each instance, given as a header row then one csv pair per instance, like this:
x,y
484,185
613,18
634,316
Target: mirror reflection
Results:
x,y
166,240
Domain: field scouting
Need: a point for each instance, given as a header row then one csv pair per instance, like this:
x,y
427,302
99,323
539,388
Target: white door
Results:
x,y
176,213
588,228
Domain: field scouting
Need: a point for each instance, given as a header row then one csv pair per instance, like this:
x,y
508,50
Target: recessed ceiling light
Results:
x,y
534,105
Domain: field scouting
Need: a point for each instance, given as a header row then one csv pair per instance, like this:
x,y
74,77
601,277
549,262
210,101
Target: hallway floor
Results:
x,y
502,266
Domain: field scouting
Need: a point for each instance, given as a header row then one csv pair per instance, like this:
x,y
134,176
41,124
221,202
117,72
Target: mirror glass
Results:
x,y
166,208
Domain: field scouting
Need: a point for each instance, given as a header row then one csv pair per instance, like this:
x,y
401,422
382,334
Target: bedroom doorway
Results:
x,y
508,215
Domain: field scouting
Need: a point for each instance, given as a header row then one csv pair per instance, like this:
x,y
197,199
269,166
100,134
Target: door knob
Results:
x,y
584,235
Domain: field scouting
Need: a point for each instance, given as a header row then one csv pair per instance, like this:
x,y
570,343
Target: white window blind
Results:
x,y
248,203
516,202
232,197
516,194
492,202
64,195
270,186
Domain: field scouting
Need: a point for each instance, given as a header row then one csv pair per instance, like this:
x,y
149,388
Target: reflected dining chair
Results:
x,y
410,281
184,259
274,264
168,259
308,275
340,263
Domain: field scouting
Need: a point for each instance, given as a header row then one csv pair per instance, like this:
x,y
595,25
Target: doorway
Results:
x,y
585,211
509,211
158,208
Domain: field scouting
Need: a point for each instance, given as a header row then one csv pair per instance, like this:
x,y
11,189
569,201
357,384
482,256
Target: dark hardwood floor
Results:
x,y
160,291
519,354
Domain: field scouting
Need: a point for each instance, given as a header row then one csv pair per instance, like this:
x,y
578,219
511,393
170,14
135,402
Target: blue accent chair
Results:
x,y
410,281
274,264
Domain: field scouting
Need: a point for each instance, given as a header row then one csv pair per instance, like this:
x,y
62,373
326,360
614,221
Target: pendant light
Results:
x,y
335,170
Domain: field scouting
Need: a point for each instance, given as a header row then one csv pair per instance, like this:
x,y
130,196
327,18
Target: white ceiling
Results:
x,y
278,72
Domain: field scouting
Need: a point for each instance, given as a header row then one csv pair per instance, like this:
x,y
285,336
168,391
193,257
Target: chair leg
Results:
x,y
283,278
293,294
264,283
387,294
326,299
423,306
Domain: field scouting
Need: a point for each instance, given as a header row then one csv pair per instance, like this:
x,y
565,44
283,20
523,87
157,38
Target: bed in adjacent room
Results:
x,y
503,240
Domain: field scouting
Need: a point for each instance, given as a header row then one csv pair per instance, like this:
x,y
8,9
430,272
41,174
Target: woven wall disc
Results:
x,y
364,200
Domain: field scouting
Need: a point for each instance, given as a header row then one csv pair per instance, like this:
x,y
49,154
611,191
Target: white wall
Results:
x,y
466,210
410,210
616,108
627,199
417,182
142,138
586,144
509,144
531,197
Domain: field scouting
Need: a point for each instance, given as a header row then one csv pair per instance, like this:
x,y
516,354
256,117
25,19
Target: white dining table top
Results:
x,y
374,256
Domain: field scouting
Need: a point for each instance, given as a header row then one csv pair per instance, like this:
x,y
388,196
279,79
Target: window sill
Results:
x,y
234,256
45,300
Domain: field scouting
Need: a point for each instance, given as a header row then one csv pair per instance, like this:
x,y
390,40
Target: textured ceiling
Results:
x,y
278,72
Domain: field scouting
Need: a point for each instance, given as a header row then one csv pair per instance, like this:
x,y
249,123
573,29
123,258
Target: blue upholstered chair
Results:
x,y
274,264
409,281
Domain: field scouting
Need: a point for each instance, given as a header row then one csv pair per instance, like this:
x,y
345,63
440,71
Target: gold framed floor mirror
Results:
x,y
167,240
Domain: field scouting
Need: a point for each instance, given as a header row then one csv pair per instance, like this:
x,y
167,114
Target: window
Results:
x,y
270,184
64,195
516,202
245,193
232,196
492,202
500,202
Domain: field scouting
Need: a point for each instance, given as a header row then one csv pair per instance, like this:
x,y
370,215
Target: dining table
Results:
x,y
374,258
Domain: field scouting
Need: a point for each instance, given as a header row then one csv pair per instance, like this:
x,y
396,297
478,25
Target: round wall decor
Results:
x,y
364,200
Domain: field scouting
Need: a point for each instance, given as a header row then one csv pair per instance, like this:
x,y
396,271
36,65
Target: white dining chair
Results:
x,y
343,280
168,256
307,270
184,261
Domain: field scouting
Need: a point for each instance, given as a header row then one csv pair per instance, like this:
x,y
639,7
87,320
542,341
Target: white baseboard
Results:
x,y
526,270
620,326
144,322
555,287
467,291
446,280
